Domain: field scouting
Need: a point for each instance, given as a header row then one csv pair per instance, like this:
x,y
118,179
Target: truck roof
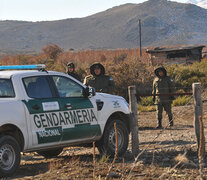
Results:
x,y
8,74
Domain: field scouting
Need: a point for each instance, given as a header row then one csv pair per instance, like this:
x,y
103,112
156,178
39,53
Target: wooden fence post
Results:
x,y
201,150
198,108
133,120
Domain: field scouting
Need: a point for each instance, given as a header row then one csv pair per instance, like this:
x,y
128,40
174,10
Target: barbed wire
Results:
x,y
175,88
204,94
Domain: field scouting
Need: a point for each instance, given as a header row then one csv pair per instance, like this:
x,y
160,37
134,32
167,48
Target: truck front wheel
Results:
x,y
107,145
9,156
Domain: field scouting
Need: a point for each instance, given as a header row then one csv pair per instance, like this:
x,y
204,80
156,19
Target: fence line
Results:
x,y
198,113
133,120
198,109
167,94
146,148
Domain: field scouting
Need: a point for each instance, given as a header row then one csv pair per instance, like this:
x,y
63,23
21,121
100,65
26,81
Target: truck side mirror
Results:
x,y
89,91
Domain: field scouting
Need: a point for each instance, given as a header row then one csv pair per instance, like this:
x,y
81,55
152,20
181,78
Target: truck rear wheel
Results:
x,y
107,144
50,153
9,156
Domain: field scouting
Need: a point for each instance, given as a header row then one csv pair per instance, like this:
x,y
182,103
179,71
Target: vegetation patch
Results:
x,y
181,101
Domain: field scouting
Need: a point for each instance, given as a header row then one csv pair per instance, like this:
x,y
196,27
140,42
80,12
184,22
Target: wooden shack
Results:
x,y
178,55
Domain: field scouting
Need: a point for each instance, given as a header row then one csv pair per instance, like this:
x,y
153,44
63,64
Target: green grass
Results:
x,y
146,104
104,158
147,101
181,101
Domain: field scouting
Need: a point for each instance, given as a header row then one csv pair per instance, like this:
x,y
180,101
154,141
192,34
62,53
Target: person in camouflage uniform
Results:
x,y
163,84
71,71
98,79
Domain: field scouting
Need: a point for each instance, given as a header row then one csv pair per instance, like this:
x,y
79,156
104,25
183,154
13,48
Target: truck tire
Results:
x,y
9,156
50,153
108,141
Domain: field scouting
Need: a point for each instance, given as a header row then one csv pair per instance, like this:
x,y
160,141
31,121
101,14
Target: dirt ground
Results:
x,y
159,158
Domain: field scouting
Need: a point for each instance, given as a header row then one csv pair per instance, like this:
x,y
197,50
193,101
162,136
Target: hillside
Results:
x,y
163,23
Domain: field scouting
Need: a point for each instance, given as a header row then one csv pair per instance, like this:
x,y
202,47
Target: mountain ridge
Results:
x,y
201,3
163,23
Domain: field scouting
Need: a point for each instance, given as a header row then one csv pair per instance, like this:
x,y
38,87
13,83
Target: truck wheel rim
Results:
x,y
7,157
112,138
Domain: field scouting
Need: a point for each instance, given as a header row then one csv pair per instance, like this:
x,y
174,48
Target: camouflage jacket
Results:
x,y
163,85
75,75
102,83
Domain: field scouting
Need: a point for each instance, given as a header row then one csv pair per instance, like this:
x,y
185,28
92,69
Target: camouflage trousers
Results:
x,y
167,107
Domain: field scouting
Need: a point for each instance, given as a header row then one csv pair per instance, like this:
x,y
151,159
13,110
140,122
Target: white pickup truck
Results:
x,y
45,111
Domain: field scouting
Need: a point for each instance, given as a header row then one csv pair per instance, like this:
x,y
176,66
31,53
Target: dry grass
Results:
x,y
146,108
173,155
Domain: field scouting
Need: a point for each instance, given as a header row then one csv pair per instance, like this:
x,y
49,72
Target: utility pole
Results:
x,y
140,38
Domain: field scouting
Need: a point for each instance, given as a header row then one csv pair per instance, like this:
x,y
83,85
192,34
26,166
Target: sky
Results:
x,y
49,10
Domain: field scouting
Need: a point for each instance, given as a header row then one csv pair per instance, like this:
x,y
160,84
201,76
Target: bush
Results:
x,y
181,101
146,104
147,101
185,75
123,65
129,73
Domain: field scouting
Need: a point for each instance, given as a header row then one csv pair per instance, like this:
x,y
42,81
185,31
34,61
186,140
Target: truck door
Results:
x,y
59,112
79,113
42,108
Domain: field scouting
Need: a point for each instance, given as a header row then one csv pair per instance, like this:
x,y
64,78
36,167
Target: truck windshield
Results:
x,y
6,88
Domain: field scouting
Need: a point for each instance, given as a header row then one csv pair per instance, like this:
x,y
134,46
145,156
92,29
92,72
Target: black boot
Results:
x,y
159,126
171,123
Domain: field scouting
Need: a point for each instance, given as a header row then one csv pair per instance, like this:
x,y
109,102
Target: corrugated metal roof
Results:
x,y
158,49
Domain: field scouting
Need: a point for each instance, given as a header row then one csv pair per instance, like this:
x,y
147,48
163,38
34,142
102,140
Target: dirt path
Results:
x,y
160,149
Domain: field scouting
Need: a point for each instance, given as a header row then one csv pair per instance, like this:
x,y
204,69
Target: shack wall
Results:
x,y
162,58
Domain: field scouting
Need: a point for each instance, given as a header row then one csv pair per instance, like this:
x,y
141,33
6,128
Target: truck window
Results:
x,y
37,87
6,88
67,87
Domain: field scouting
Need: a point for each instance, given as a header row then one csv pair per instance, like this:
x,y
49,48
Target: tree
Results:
x,y
52,51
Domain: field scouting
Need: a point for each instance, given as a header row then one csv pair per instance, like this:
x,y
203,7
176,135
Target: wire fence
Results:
x,y
177,91
179,138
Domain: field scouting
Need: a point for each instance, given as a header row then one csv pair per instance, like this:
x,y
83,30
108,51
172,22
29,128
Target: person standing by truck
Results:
x,y
71,71
98,79
163,84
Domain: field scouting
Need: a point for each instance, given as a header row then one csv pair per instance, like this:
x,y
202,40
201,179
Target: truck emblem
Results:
x,y
116,104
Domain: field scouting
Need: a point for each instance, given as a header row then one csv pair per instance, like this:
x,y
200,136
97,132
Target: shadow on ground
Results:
x,y
164,158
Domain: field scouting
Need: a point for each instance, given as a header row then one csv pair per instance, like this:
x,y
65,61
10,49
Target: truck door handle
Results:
x,y
68,106
36,107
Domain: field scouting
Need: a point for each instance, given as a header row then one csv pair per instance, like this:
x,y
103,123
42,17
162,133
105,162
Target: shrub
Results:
x,y
146,104
147,101
129,73
52,51
185,75
122,64
181,101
